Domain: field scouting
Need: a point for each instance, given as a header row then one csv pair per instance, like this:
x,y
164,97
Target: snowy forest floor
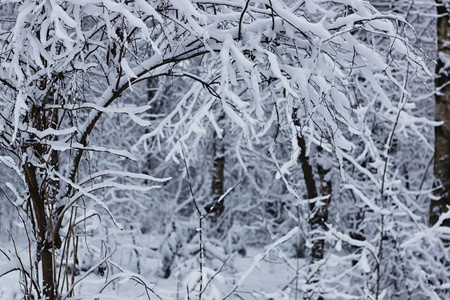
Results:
x,y
258,274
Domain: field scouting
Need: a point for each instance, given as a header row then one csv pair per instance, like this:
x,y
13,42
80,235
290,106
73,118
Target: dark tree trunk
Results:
x,y
40,219
216,208
319,214
217,187
442,133
42,192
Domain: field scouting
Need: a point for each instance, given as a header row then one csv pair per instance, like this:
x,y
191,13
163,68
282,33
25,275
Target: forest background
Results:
x,y
219,149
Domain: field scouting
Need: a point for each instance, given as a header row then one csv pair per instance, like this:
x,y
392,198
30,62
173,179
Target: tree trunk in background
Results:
x,y
319,214
217,187
442,133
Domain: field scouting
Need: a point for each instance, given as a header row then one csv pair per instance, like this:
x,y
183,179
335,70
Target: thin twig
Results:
x,y
217,273
383,181
221,198
242,18
200,231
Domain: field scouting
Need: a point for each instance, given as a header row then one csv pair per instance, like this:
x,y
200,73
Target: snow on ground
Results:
x,y
264,282
9,287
